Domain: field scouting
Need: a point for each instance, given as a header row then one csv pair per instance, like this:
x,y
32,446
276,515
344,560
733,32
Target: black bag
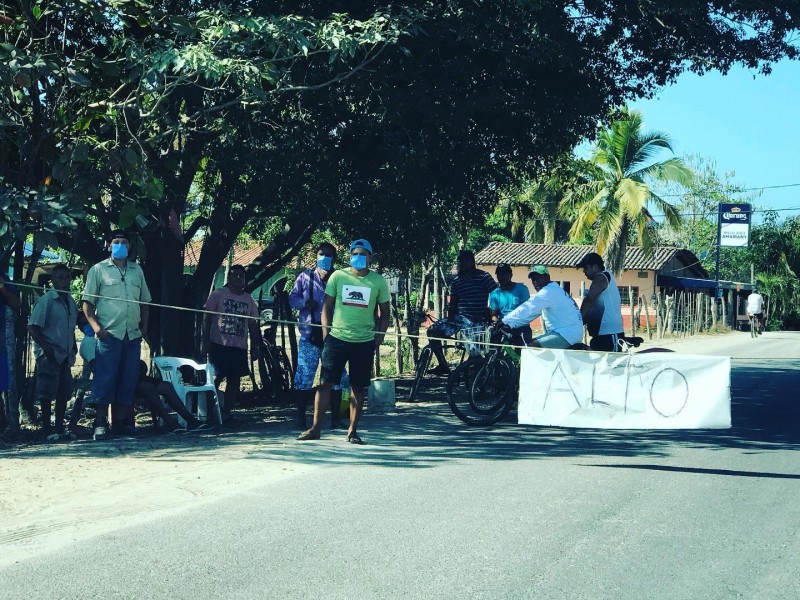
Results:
x,y
315,335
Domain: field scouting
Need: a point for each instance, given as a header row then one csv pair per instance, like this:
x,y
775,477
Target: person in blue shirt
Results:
x,y
507,297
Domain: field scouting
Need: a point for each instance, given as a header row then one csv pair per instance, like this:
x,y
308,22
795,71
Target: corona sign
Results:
x,y
734,225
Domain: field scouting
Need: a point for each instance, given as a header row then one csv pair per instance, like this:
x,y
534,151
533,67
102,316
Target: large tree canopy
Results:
x,y
397,123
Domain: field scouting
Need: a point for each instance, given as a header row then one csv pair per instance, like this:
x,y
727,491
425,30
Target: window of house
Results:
x,y
625,298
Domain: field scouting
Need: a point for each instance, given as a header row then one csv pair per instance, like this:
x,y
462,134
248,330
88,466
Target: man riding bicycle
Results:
x,y
755,308
469,295
560,314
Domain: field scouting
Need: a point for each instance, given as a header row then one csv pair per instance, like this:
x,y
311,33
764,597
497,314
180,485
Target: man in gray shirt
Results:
x,y
114,302
52,327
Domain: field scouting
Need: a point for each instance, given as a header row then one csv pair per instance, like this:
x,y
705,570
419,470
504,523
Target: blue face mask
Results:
x,y
325,262
119,251
358,261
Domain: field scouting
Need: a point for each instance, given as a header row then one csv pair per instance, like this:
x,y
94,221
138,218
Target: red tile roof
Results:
x,y
520,254
241,255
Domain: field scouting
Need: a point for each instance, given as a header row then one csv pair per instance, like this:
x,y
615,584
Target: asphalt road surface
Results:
x,y
433,509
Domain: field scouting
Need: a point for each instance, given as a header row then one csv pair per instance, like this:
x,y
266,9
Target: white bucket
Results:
x,y
381,395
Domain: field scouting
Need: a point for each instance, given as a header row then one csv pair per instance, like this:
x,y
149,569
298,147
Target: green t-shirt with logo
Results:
x,y
356,301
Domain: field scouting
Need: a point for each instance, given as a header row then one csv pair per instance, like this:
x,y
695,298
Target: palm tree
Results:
x,y
614,203
532,206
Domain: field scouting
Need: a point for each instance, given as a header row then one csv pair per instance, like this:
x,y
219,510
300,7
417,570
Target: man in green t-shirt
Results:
x,y
353,297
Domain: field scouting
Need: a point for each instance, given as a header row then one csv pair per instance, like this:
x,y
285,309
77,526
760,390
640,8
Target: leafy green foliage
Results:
x,y
616,201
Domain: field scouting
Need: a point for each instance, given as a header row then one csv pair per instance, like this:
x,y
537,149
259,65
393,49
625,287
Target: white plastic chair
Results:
x,y
169,367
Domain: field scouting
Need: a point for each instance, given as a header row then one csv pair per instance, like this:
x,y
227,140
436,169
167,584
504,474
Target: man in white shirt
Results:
x,y
755,308
561,317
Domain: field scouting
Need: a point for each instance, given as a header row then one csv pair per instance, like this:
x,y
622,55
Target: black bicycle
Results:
x,y
483,389
467,336
274,369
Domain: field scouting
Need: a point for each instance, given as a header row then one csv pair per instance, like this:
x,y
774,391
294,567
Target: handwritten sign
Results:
x,y
571,388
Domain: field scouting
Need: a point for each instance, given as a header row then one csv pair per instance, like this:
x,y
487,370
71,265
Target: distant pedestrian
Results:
x,y
755,308
52,328
353,298
225,335
115,304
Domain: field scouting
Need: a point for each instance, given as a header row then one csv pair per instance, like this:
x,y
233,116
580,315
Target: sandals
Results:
x,y
354,438
308,435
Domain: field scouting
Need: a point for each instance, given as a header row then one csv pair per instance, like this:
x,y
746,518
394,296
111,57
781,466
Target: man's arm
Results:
x,y
383,323
99,332
327,314
41,341
298,295
255,332
598,286
144,320
525,312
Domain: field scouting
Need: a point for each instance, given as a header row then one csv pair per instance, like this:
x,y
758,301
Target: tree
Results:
x,y
698,203
615,202
286,117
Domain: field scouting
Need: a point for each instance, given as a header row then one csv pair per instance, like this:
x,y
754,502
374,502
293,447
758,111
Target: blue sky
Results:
x,y
746,123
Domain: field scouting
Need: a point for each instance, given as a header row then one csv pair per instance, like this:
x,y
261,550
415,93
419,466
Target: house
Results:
x,y
666,270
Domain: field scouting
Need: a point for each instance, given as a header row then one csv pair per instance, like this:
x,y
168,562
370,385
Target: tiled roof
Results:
x,y
520,254
241,256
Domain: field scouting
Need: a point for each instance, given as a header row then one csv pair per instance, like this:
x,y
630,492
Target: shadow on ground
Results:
x,y
766,417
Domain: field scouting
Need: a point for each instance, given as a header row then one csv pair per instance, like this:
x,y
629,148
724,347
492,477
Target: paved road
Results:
x,y
442,511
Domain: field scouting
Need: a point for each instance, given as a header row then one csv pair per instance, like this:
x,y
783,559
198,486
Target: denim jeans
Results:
x,y
116,370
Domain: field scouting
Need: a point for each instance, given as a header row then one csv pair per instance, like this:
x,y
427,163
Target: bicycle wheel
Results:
x,y
459,392
422,367
753,327
287,373
493,389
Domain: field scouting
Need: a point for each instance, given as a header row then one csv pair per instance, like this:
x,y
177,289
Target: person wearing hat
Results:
x,y
601,309
115,301
561,317
508,296
469,304
353,297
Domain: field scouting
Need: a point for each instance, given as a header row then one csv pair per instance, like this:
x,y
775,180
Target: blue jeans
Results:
x,y
116,370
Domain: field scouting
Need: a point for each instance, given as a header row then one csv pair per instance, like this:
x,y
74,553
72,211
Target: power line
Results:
x,y
752,189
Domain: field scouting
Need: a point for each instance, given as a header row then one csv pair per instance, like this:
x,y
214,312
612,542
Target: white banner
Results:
x,y
659,390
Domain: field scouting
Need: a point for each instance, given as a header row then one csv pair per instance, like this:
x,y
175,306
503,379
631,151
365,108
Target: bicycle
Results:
x,y
483,390
274,369
480,391
755,325
465,341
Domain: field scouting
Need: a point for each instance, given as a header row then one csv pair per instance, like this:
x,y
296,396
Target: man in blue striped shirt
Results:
x,y
469,299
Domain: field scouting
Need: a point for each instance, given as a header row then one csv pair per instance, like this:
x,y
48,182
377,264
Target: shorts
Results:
x,y
228,362
356,355
308,356
53,381
606,343
553,340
